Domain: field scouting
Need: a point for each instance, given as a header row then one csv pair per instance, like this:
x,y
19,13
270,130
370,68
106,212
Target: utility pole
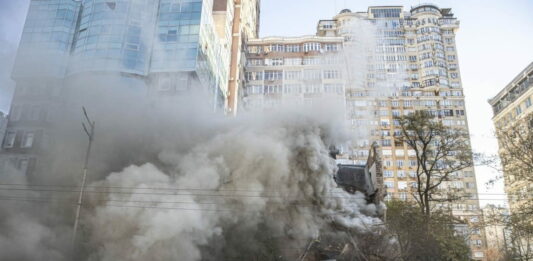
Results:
x,y
90,133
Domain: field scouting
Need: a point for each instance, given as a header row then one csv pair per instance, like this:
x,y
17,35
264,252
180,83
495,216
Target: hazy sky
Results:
x,y
495,42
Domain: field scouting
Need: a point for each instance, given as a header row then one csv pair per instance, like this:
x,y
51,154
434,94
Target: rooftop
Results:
x,y
512,91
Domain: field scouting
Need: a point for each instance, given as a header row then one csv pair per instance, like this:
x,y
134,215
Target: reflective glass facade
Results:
x,y
114,36
141,37
178,28
47,37
157,47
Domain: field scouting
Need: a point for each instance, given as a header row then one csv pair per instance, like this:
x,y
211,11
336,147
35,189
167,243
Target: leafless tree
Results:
x,y
518,234
516,149
440,151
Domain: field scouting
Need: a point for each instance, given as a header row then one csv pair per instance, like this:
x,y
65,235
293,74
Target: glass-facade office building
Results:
x,y
141,37
157,47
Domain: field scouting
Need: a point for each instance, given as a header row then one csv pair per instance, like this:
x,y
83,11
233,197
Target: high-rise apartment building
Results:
x,y
245,27
513,120
410,64
511,107
156,47
291,71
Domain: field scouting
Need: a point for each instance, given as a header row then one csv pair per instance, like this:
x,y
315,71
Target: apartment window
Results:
x,y
313,88
254,89
388,184
386,143
270,89
333,88
274,62
412,163
386,12
277,48
402,195
412,58
412,174
388,163
331,47
518,110
309,47
9,140
402,185
451,57
312,74
387,174
397,133
254,49
27,140
401,174
293,75
23,164
292,88
399,163
332,74
528,102
313,60
273,75
255,62
292,48
254,76
396,113
293,61
396,124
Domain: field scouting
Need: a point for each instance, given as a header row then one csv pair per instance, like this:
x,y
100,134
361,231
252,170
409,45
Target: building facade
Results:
x,y
410,64
513,120
291,71
245,27
512,106
158,48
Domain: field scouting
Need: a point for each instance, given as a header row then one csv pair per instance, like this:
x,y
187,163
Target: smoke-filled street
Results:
x,y
248,130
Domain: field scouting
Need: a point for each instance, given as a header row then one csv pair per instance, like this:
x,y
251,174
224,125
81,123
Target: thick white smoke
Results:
x,y
272,170
170,180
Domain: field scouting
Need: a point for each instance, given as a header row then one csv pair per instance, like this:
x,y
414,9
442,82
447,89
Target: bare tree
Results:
x,y
440,151
518,234
516,149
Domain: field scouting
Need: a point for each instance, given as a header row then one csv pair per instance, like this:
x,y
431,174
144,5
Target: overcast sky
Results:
x,y
494,43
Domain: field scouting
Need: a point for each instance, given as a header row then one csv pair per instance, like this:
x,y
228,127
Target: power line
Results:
x,y
204,195
180,189
52,200
148,188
